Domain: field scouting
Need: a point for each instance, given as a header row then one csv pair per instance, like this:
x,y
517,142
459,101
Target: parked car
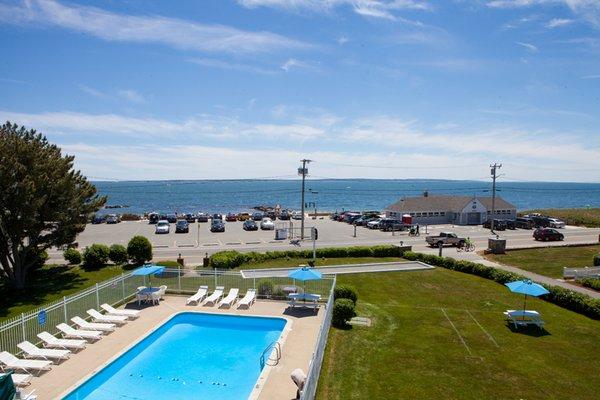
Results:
x,y
190,218
556,223
217,217
98,219
182,226
249,225
257,216
217,225
202,217
231,217
296,215
546,234
374,224
267,224
162,216
510,224
112,219
271,214
162,226
153,218
445,238
540,221
172,218
388,225
284,215
499,224
243,216
524,223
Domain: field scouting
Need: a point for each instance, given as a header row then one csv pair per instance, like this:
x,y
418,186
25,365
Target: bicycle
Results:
x,y
466,247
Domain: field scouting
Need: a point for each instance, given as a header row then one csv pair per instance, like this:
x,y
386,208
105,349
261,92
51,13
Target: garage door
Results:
x,y
473,218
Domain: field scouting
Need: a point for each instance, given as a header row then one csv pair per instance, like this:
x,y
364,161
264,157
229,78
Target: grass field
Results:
x,y
589,217
441,335
548,261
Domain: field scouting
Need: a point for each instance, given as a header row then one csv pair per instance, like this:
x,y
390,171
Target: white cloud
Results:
x,y
529,47
231,66
558,22
93,92
587,10
178,33
131,96
369,8
342,39
292,63
591,77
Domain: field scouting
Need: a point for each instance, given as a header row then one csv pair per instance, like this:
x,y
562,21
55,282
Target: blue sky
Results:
x,y
143,89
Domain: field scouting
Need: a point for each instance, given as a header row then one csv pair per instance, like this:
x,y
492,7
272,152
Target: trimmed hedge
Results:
x,y
591,283
232,259
345,292
343,311
118,254
72,255
562,297
96,255
597,260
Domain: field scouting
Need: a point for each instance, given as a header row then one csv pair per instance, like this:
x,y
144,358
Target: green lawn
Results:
x,y
412,351
294,262
548,261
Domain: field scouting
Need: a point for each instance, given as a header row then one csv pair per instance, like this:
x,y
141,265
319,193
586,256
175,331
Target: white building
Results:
x,y
459,210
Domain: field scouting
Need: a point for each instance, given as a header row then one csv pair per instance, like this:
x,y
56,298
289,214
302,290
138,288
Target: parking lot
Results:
x,y
199,241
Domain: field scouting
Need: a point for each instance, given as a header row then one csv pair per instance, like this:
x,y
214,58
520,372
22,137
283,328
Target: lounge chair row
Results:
x,y
216,297
56,349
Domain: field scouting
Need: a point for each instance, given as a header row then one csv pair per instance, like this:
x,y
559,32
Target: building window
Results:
x,y
436,214
443,213
418,214
412,214
431,214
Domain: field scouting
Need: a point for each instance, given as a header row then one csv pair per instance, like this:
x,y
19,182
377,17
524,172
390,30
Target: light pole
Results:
x,y
303,171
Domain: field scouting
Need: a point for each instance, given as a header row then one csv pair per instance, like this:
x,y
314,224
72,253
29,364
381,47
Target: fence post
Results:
x,y
254,283
123,285
23,326
215,278
97,297
65,307
179,279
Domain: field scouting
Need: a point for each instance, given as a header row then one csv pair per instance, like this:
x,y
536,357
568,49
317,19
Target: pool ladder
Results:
x,y
266,358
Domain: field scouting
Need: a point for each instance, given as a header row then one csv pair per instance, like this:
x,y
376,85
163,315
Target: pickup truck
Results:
x,y
446,238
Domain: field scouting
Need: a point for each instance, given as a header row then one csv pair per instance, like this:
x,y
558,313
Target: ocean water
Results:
x,y
329,194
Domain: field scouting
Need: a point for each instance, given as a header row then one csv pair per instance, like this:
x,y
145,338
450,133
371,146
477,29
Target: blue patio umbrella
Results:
x,y
305,274
528,288
148,269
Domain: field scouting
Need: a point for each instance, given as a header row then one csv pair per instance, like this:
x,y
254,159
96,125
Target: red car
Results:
x,y
546,234
231,217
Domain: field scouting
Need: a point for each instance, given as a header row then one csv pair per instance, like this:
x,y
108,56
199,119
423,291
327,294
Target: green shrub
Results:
x,y
96,255
345,292
118,254
130,217
139,250
265,287
72,255
562,297
592,283
597,260
343,311
227,259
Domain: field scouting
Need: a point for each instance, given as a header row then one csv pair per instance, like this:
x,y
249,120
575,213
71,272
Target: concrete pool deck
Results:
x,y
298,341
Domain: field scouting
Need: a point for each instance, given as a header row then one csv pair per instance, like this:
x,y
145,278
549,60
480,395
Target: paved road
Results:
x,y
341,269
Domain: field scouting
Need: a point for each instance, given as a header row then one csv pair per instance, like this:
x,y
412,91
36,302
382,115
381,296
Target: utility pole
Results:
x,y
303,171
494,176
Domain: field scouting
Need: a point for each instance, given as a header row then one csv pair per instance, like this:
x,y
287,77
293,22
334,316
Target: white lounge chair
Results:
x,y
113,319
162,290
92,326
20,380
248,299
13,362
230,299
215,296
30,350
119,311
70,332
198,296
54,342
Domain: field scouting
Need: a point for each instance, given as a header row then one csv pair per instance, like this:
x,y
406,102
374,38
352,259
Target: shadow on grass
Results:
x,y
533,331
41,283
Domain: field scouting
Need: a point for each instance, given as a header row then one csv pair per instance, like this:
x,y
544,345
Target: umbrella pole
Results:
x,y
524,306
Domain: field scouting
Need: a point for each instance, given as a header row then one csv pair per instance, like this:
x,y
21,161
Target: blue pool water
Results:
x,y
191,356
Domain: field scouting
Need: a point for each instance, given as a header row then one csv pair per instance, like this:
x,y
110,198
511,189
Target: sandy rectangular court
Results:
x,y
298,341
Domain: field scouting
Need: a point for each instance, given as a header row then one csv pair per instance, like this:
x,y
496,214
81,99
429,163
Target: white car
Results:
x,y
374,224
266,224
296,215
162,226
556,223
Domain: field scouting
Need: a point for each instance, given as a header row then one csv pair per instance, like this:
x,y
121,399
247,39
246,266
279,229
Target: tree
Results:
x,y
96,255
139,249
72,255
118,254
44,202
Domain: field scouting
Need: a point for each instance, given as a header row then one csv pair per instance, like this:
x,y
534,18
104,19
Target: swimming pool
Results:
x,y
192,355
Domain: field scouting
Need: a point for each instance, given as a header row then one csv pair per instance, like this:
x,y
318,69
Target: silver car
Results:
x,y
162,226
